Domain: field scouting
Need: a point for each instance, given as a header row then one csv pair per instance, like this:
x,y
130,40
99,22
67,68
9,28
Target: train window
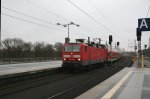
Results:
x,y
76,48
68,48
85,48
72,48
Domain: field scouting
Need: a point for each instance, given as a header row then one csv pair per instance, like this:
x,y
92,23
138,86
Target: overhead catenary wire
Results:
x,y
47,10
43,8
39,24
100,12
41,20
102,25
29,1
28,15
30,21
35,19
99,23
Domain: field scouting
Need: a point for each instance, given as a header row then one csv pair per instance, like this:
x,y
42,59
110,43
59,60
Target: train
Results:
x,y
80,54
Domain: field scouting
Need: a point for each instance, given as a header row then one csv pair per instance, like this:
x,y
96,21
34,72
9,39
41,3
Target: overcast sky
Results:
x,y
106,17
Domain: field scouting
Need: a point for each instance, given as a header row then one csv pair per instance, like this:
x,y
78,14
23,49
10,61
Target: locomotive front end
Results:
x,y
71,55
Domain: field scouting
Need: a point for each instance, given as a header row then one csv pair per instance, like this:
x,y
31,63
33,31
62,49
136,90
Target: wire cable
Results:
x,y
40,24
30,22
93,19
90,17
29,1
100,12
27,15
35,17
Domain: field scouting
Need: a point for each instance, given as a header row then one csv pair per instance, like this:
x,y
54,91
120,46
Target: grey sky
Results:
x,y
118,16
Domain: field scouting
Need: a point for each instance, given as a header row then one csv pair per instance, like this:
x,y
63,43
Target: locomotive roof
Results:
x,y
76,44
98,46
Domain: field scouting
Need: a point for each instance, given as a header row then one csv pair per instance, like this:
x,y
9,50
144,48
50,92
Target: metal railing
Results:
x,y
28,60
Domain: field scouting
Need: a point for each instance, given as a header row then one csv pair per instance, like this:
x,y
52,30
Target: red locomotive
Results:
x,y
75,55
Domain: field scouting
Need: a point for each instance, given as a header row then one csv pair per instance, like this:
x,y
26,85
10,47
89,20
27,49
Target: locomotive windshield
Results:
x,y
72,48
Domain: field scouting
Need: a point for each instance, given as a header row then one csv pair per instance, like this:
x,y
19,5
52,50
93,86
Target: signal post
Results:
x,y
143,25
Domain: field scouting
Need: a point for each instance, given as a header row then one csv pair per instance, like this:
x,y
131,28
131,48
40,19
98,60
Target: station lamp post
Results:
x,y
67,25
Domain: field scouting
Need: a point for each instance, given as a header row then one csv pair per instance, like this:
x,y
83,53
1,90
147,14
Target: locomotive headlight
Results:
x,y
79,59
64,59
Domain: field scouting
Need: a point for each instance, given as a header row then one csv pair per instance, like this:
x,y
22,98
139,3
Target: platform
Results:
x,y
129,83
11,69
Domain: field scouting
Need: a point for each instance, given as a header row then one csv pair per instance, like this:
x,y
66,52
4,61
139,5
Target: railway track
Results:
x,y
90,82
27,84
61,85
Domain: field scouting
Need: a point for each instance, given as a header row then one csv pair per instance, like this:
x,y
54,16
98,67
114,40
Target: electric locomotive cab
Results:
x,y
71,55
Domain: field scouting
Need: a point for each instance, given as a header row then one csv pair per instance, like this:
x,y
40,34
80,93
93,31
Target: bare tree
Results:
x,y
13,47
27,50
58,47
38,49
48,50
17,48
